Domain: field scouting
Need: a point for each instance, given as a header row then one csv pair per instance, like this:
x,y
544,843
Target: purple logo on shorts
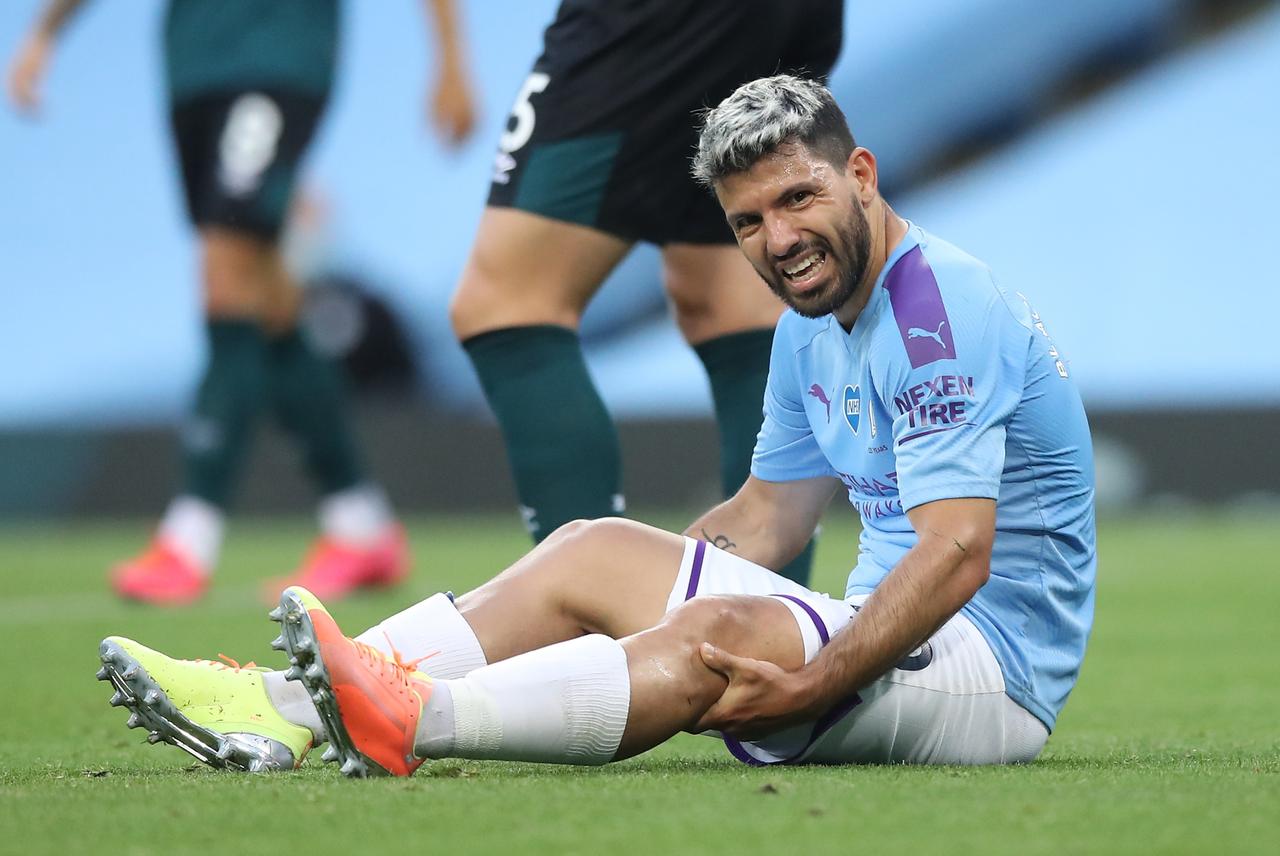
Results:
x,y
821,394
917,307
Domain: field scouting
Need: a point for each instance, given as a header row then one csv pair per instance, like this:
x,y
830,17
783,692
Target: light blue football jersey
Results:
x,y
949,386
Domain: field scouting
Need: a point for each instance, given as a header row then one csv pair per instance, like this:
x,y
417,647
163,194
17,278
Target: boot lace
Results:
x,y
395,668
226,664
386,669
409,665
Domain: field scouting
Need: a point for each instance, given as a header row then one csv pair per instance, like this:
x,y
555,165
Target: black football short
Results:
x,y
240,154
603,130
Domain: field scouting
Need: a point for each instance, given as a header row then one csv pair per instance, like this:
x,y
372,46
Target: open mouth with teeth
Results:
x,y
803,272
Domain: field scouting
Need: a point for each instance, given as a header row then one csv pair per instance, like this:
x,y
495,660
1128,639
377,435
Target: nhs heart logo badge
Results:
x,y
852,406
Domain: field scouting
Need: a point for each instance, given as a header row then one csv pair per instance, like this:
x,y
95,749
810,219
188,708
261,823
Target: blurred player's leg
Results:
x,y
361,543
599,155
728,316
217,434
240,153
516,313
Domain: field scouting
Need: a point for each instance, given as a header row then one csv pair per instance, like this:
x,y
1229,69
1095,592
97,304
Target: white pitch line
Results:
x,y
84,606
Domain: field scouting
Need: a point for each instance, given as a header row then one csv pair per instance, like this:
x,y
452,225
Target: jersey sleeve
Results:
x,y
950,413
786,449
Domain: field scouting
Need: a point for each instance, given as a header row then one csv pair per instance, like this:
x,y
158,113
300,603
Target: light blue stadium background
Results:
x,y
1137,221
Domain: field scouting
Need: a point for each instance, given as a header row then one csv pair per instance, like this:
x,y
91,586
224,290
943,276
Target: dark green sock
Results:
x,y
217,436
560,440
309,398
738,366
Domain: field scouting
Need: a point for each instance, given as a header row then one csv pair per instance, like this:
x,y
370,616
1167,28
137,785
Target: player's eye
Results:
x,y
800,197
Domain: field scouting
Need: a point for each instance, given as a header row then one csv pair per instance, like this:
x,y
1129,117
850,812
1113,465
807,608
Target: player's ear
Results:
x,y
861,169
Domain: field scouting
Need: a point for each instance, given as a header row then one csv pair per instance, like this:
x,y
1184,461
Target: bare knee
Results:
x,y
235,270
575,550
611,575
608,576
575,533
595,537
714,292
754,626
691,304
493,295
719,619
526,270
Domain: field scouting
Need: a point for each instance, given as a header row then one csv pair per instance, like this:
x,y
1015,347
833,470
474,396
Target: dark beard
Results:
x,y
851,260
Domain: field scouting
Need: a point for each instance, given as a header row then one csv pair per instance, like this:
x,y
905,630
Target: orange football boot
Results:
x,y
163,575
334,569
369,703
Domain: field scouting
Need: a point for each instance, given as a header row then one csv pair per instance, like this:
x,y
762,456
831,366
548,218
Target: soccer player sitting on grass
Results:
x,y
902,373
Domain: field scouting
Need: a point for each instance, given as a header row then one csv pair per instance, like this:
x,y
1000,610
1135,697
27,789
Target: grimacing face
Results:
x,y
799,222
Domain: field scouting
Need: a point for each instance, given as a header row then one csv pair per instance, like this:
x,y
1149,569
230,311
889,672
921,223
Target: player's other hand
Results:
x,y
26,73
761,698
452,109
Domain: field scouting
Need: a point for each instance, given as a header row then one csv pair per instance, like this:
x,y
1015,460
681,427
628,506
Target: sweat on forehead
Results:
x,y
762,114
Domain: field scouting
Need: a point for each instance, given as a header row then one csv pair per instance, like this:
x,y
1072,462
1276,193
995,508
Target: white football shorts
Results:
x,y
945,703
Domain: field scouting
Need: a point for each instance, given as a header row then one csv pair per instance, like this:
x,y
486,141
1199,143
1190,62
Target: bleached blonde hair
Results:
x,y
763,114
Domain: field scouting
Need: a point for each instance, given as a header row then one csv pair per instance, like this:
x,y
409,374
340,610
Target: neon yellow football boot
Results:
x,y
216,711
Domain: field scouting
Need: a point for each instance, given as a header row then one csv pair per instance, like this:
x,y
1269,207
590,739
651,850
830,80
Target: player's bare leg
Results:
x,y
516,313
592,581
715,292
587,700
608,576
525,270
235,272
671,686
282,297
361,545
614,577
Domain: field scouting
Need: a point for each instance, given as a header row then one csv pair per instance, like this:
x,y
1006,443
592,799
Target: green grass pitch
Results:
x,y
1171,742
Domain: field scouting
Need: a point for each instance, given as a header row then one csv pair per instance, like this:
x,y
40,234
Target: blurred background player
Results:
x,y
594,159
248,82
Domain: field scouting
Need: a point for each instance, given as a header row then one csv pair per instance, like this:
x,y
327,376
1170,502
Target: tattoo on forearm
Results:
x,y
721,541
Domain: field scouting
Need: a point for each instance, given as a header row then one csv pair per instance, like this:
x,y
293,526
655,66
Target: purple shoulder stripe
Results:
x,y
917,307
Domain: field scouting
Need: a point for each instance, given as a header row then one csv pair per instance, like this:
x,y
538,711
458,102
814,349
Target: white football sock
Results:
x,y
292,701
358,515
563,704
195,527
432,629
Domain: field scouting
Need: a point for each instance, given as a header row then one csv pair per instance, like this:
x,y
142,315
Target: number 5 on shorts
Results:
x,y
520,132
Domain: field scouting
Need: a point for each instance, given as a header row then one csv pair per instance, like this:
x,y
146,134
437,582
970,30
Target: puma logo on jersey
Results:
x,y
920,333
821,394
918,310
